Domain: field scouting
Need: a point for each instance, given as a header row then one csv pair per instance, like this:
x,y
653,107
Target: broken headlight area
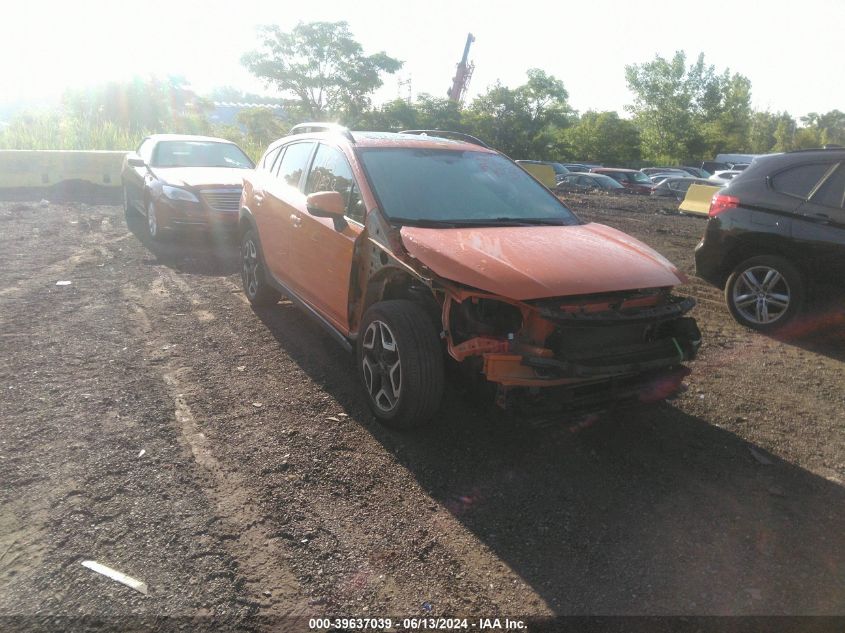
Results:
x,y
572,340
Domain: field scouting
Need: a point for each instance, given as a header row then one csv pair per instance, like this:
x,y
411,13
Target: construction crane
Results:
x,y
461,79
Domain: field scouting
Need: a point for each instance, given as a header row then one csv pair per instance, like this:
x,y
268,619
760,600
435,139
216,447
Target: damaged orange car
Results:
x,y
420,247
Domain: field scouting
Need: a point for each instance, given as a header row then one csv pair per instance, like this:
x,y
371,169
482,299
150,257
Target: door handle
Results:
x,y
295,220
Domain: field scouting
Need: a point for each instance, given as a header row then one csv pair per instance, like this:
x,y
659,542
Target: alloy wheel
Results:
x,y
250,267
152,223
761,295
381,366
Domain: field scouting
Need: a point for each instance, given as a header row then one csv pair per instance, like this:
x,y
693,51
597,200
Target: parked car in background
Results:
x,y
578,167
181,181
411,248
585,183
651,171
633,180
724,176
559,169
656,179
774,231
697,172
677,187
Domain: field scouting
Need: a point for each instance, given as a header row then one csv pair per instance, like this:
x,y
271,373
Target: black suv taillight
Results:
x,y
721,202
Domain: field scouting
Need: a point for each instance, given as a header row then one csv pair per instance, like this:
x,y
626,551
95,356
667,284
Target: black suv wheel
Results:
x,y
400,362
764,292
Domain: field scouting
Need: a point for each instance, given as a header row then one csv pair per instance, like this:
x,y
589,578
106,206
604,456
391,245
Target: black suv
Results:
x,y
775,229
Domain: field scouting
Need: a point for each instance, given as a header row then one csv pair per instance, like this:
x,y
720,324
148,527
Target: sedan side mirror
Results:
x,y
327,204
136,161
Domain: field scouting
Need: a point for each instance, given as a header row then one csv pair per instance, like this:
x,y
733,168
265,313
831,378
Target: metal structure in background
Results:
x,y
462,76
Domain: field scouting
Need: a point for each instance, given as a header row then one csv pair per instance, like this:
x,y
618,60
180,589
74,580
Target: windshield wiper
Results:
x,y
502,221
426,224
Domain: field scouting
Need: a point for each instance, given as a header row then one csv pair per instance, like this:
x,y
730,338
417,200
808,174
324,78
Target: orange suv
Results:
x,y
423,246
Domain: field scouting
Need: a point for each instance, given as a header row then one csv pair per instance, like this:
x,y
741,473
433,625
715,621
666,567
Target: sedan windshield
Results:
x,y
199,154
458,187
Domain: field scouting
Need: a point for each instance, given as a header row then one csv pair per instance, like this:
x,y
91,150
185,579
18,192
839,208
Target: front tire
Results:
x,y
764,292
154,228
400,363
253,275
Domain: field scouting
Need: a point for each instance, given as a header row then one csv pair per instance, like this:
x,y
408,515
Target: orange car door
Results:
x,y
276,216
322,248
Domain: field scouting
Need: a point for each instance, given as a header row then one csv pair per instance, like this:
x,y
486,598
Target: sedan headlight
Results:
x,y
175,193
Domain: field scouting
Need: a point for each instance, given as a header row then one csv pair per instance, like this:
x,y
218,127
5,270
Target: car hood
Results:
x,y
535,262
202,176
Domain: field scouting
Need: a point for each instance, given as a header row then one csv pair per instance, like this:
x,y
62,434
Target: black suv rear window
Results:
x,y
832,192
799,181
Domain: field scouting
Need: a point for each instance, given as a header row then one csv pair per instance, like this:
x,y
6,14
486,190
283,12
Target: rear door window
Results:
x,y
832,191
799,181
270,158
294,163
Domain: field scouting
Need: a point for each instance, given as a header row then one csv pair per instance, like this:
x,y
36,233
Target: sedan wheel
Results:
x,y
764,292
152,221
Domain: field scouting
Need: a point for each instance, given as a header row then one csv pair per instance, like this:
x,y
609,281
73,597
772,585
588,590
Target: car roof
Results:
x,y
366,139
188,137
600,170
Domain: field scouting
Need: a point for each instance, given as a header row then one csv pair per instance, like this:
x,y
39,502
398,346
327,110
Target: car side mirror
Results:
x,y
327,204
136,161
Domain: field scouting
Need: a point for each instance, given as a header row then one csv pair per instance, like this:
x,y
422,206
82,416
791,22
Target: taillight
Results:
x,y
721,202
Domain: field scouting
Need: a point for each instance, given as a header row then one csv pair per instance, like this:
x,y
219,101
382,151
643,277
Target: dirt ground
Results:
x,y
266,490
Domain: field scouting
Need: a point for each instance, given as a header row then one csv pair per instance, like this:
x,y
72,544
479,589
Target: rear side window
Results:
x,y
270,158
832,191
799,181
294,162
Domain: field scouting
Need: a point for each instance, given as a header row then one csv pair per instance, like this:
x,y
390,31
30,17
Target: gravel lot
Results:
x,y
267,490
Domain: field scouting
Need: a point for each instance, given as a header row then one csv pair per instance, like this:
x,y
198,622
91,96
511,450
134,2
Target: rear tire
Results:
x,y
400,363
764,292
253,275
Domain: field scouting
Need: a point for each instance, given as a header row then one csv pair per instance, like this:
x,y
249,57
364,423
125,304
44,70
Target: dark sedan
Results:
x,y
178,181
677,187
584,183
634,181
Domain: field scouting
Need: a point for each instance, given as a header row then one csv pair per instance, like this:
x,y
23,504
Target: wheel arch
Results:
x,y
760,245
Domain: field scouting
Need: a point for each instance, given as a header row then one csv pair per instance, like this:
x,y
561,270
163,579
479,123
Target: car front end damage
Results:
x,y
611,346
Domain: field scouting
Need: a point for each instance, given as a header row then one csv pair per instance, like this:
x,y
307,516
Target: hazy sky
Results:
x,y
791,51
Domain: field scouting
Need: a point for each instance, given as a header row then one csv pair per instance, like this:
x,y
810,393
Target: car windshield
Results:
x,y
640,177
199,154
458,187
559,169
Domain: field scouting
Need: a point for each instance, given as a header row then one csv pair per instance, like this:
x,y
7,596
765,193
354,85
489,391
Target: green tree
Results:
x,y
522,122
140,105
262,125
727,123
687,111
830,127
321,68
784,134
603,137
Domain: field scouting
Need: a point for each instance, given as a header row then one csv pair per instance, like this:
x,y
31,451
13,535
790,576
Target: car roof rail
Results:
x,y
828,146
447,134
315,126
